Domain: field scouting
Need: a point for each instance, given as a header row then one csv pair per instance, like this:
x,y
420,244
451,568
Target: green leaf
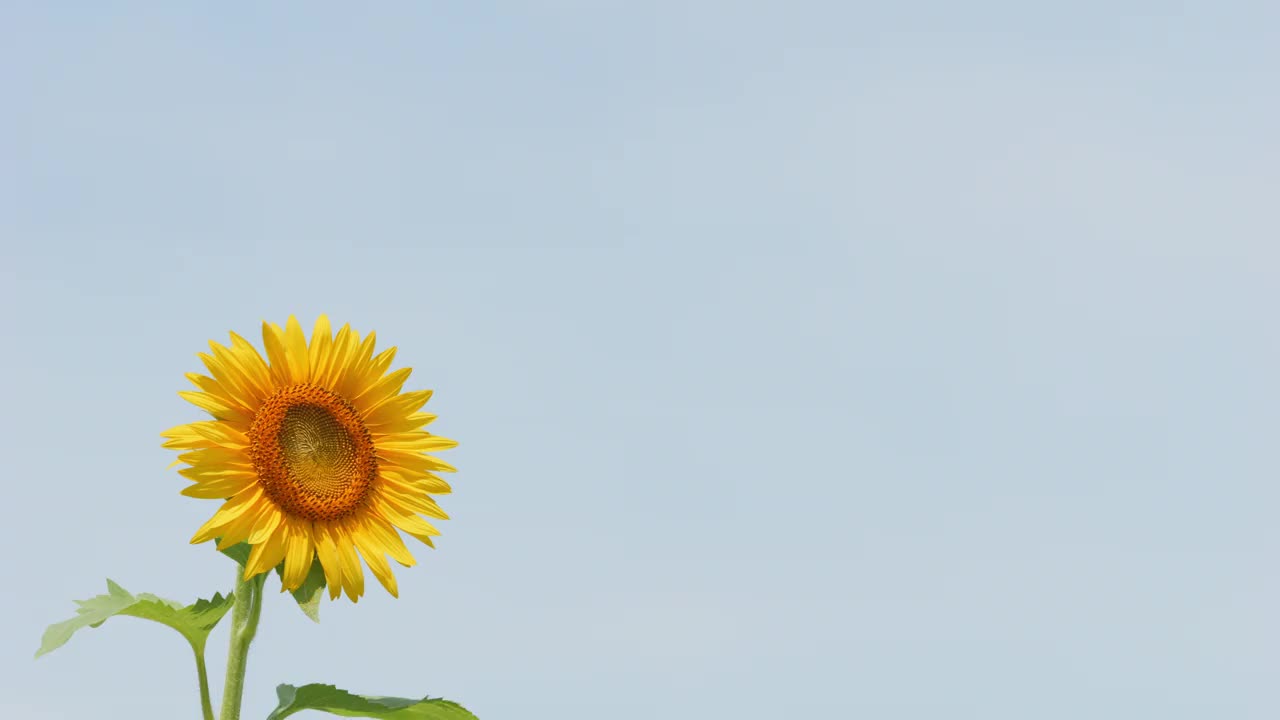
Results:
x,y
239,552
193,621
330,699
308,595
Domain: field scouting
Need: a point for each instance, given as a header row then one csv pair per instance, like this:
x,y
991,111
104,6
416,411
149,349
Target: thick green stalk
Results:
x,y
244,625
206,704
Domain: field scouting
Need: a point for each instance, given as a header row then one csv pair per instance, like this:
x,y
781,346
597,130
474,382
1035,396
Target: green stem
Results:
x,y
206,704
244,625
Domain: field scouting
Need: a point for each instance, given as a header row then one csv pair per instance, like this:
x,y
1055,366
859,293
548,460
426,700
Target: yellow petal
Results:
x,y
266,525
219,488
252,365
321,346
352,572
372,372
433,484
226,370
295,343
214,406
210,530
187,444
298,553
413,460
402,424
203,472
181,431
381,530
409,482
208,385
219,432
245,367
408,522
421,441
238,530
353,373
342,347
186,437
399,406
381,390
266,555
410,503
273,341
222,457
330,562
230,511
375,558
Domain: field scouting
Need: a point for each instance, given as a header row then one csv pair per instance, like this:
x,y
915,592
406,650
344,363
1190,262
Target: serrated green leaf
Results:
x,y
330,699
194,621
308,595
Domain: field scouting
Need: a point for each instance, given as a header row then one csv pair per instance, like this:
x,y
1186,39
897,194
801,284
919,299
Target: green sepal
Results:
x,y
327,698
193,621
307,596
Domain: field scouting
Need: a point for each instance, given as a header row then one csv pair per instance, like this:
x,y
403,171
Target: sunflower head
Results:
x,y
316,453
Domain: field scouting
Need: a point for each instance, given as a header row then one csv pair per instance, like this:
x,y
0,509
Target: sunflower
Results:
x,y
316,453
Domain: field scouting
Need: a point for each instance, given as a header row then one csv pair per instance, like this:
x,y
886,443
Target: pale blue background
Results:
x,y
809,359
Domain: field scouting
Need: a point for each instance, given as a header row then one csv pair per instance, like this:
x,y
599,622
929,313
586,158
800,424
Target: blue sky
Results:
x,y
808,359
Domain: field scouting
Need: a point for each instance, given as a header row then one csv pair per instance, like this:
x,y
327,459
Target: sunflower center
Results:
x,y
313,455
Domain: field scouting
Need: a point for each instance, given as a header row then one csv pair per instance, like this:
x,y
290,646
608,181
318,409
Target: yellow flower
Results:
x,y
317,454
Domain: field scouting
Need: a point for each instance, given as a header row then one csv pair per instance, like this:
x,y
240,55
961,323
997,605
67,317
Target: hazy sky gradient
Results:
x,y
815,360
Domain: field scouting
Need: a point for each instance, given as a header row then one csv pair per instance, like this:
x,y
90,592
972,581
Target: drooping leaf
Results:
x,y
307,595
330,699
194,621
